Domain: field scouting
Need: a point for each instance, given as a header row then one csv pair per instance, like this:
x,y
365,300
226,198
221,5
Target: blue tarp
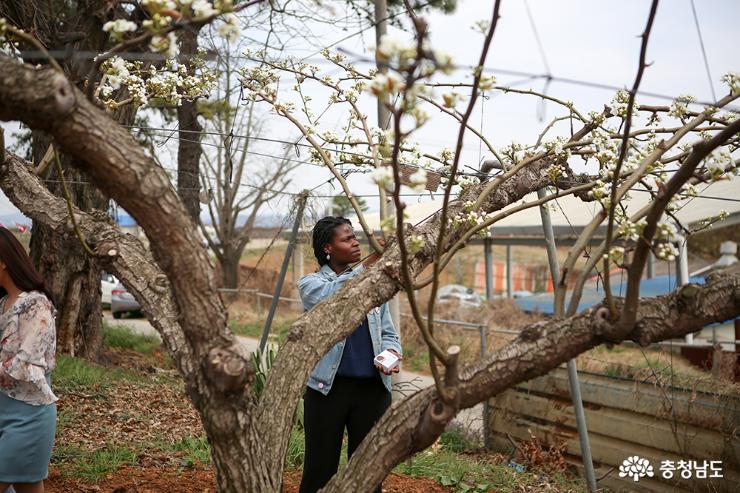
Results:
x,y
595,295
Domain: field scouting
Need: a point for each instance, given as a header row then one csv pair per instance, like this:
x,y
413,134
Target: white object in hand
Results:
x,y
387,360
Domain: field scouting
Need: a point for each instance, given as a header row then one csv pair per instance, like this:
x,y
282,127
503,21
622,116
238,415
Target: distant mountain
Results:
x,y
269,220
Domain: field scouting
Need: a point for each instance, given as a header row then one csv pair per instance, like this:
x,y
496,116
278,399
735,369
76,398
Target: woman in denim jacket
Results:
x,y
345,388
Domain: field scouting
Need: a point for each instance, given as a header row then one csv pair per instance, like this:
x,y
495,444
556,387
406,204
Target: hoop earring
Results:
x,y
328,256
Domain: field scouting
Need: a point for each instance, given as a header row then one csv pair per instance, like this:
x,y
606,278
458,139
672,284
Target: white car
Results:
x,y
456,292
107,283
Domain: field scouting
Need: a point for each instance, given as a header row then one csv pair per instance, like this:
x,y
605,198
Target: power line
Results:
x,y
537,37
554,78
703,50
278,141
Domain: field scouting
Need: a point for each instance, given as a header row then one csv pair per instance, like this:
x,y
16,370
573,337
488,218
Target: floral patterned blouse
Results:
x,y
27,348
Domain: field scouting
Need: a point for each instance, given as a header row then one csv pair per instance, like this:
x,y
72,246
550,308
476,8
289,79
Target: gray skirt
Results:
x,y
26,440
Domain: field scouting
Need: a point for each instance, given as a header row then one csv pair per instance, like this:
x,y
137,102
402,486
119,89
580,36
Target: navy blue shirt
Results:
x,y
357,357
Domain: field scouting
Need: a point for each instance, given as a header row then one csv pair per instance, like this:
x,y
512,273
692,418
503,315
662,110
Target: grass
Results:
x,y
279,329
416,358
478,473
192,450
75,374
123,337
91,465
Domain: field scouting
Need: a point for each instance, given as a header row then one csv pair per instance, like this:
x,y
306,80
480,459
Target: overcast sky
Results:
x,y
590,40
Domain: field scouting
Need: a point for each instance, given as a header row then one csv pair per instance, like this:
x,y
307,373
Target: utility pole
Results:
x,y
386,210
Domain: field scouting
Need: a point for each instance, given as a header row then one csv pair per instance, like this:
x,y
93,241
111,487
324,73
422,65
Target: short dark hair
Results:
x,y
19,265
323,233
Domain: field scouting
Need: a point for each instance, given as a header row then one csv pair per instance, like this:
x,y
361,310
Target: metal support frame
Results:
x,y
487,255
381,29
575,388
302,199
651,266
682,271
509,273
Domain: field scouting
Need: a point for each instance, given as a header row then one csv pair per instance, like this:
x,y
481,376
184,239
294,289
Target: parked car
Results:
x,y
460,293
123,302
107,283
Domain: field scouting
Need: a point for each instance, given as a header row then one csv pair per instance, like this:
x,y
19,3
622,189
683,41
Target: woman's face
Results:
x,y
344,247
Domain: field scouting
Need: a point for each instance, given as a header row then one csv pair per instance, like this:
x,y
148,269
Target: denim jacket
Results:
x,y
319,286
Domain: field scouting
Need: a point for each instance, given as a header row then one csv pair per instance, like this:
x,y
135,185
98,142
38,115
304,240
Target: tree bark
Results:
x,y
249,437
73,277
188,147
229,261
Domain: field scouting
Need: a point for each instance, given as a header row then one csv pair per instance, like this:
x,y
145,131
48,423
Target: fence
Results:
x,y
626,418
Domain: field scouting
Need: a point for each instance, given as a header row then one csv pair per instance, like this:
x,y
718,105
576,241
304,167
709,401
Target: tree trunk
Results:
x,y
230,269
74,277
249,434
189,148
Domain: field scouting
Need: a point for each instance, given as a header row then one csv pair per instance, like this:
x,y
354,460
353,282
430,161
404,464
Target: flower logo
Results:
x,y
636,468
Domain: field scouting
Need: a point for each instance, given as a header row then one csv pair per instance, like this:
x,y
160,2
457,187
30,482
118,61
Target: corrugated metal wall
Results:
x,y
627,418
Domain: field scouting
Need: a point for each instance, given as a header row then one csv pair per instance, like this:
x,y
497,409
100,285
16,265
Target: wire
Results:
x,y
279,141
565,80
357,33
537,37
703,50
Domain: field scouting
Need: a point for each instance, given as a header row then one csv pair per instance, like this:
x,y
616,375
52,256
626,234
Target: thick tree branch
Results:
x,y
539,349
122,254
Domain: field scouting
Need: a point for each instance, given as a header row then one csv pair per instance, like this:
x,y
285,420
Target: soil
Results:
x,y
156,480
131,412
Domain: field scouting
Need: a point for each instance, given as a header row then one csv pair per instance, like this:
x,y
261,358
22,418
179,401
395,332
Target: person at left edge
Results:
x,y
27,357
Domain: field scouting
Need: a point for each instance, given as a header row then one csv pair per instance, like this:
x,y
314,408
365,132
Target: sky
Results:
x,y
596,41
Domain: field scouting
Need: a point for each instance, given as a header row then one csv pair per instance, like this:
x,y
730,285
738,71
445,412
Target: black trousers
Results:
x,y
356,403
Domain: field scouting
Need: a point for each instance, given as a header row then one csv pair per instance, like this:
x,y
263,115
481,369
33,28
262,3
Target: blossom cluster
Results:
x,y
666,251
151,86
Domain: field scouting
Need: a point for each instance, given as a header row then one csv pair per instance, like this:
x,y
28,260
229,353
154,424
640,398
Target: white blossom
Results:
x,y
203,8
386,84
119,26
666,251
732,79
486,82
230,29
167,45
679,107
382,175
418,179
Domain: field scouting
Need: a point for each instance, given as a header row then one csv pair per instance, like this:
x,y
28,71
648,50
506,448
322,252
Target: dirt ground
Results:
x,y
157,480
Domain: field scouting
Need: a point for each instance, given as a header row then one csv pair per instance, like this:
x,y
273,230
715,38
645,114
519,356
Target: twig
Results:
x,y
623,154
685,172
458,149
35,42
144,37
68,198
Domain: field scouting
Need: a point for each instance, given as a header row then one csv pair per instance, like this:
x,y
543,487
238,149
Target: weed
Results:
x,y
194,451
91,465
79,374
122,336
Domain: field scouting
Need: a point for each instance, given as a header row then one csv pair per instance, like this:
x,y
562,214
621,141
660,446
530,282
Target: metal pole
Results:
x,y
651,266
381,29
575,388
302,198
486,407
509,273
489,268
682,268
